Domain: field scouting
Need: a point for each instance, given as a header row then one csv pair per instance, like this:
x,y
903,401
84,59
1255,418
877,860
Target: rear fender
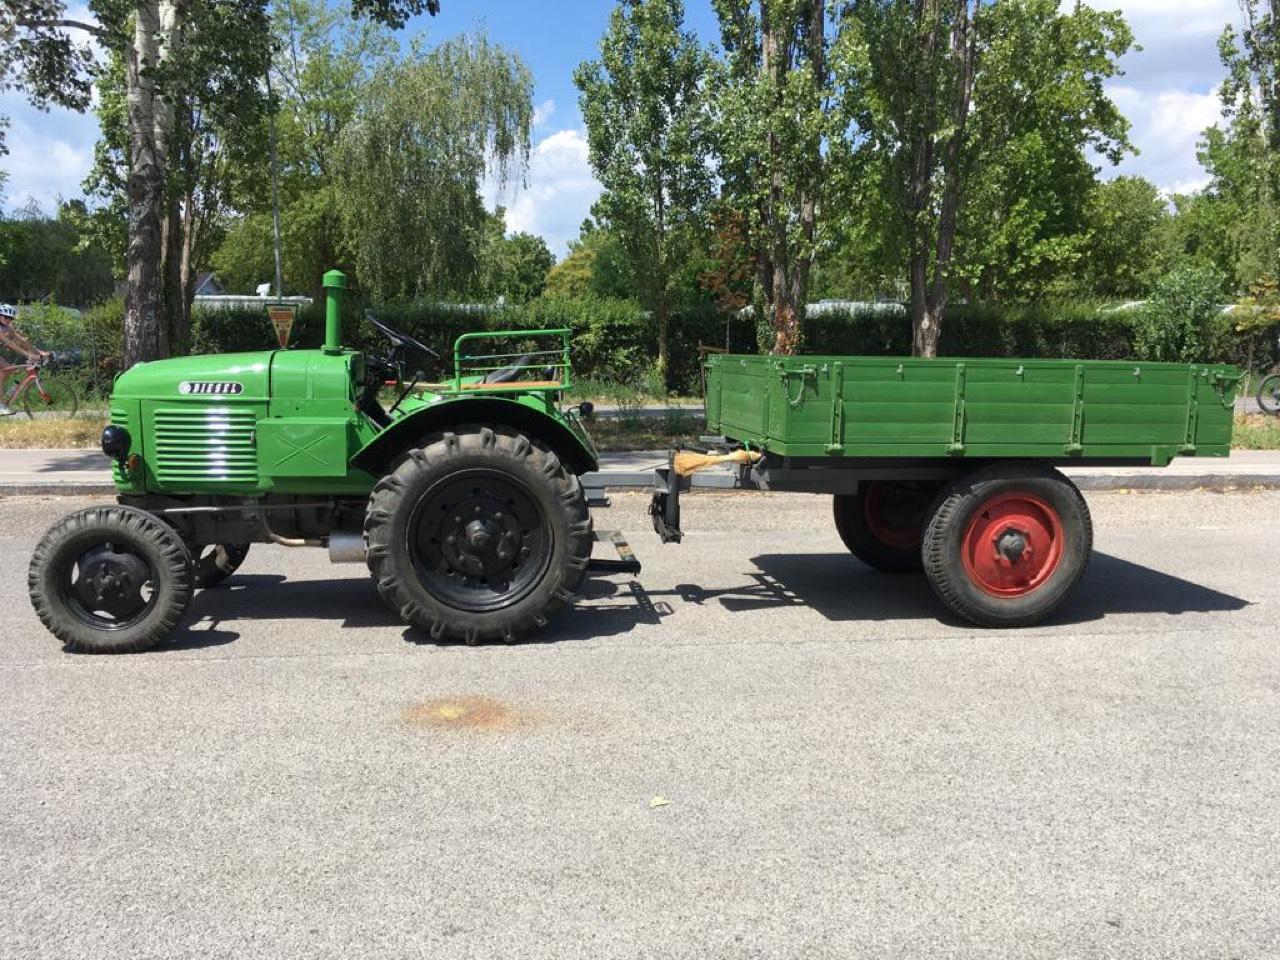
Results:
x,y
574,452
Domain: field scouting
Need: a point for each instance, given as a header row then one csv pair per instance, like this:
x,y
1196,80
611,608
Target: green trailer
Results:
x,y
950,465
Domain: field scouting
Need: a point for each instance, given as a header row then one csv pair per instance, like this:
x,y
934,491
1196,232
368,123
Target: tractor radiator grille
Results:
x,y
205,445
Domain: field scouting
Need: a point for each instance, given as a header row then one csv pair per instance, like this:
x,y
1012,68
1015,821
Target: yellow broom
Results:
x,y
687,463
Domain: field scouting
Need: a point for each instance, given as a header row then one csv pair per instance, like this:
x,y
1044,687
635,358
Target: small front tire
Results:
x,y
110,580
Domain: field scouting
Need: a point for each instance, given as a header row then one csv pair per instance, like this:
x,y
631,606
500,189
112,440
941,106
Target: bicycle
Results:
x,y
1269,391
39,391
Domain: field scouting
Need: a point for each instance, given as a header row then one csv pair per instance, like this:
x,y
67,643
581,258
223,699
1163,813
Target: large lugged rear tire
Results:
x,y
480,535
110,580
1007,544
883,523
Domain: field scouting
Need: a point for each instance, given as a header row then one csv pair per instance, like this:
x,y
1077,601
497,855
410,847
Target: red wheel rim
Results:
x,y
881,526
1013,545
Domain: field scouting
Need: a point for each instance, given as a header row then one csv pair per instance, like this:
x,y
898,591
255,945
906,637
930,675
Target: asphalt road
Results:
x,y
849,774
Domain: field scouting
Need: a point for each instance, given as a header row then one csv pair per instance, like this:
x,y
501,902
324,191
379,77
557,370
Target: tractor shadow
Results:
x,y
246,598
838,587
835,586
605,607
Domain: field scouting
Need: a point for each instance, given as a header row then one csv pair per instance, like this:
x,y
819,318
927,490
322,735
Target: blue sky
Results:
x,y
1167,93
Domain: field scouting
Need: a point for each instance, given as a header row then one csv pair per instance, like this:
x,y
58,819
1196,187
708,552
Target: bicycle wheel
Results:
x,y
51,396
1269,394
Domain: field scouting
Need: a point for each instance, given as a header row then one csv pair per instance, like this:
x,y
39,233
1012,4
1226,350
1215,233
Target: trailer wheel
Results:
x,y
480,535
883,523
216,562
110,580
1005,545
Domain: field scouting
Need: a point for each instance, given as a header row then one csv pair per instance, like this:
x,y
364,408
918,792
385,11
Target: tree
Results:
x,y
409,172
46,258
597,266
644,106
973,124
159,44
1040,118
320,77
517,266
774,124
1243,154
1126,221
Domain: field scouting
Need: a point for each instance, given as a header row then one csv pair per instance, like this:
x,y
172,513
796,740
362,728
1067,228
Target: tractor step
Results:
x,y
626,562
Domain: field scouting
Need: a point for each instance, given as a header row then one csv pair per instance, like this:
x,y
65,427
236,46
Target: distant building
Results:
x,y
211,295
207,285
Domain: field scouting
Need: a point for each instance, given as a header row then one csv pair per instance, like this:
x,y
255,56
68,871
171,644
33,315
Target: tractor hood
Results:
x,y
230,375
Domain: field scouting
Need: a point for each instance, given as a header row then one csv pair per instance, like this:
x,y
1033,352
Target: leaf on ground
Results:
x,y
659,801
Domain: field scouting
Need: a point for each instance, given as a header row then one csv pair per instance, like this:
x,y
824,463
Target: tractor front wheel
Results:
x,y
110,580
1007,544
480,535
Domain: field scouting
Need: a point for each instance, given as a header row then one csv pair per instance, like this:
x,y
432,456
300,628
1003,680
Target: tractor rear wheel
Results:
x,y
479,535
883,523
110,580
1006,544
216,562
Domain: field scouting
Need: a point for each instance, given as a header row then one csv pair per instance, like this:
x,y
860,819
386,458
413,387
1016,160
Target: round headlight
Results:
x,y
116,442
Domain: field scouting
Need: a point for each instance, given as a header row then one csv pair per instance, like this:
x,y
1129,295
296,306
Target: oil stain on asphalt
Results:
x,y
465,713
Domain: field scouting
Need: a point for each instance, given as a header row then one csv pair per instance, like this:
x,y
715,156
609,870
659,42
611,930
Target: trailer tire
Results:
x,y
481,534
1006,544
110,580
883,523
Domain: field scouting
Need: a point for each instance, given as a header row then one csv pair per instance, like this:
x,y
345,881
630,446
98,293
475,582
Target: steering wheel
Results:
x,y
398,339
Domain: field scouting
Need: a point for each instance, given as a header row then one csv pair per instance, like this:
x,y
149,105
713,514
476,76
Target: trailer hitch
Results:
x,y
664,508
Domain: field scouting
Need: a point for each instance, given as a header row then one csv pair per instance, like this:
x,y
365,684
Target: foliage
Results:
x,y
974,128
597,266
1184,321
643,104
774,125
515,267
1125,224
45,259
409,172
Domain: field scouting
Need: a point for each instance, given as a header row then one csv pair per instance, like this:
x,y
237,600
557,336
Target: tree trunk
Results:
x,y
150,119
931,262
144,190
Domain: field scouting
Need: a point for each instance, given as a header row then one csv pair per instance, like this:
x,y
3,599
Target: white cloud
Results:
x,y
559,192
1167,126
43,166
543,113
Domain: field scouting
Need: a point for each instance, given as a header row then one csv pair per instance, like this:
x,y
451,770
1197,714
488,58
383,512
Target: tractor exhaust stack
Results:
x,y
335,282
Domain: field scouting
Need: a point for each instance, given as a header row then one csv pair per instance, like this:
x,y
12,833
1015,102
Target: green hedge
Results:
x,y
614,340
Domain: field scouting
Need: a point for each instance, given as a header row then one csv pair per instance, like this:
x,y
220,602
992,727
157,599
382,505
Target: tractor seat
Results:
x,y
508,373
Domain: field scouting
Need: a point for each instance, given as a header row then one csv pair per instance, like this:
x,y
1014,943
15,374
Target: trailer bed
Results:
x,y
1057,411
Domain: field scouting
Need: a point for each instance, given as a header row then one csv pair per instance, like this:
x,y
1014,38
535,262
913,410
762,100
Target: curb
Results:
x,y
632,480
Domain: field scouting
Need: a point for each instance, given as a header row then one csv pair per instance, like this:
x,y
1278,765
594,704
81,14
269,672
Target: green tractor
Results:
x,y
463,497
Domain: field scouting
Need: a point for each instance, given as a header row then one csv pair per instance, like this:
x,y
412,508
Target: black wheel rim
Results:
x,y
479,541
109,586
